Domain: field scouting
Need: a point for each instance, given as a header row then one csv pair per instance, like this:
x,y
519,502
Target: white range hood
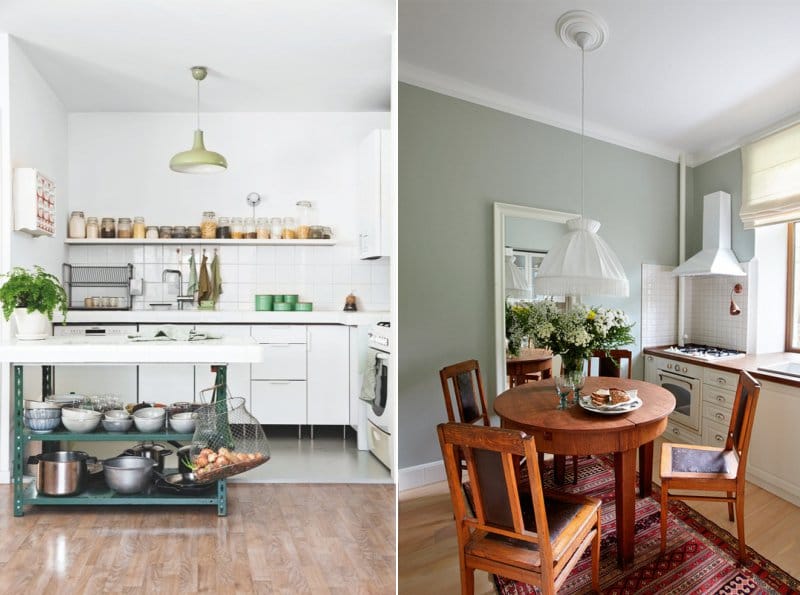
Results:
x,y
716,257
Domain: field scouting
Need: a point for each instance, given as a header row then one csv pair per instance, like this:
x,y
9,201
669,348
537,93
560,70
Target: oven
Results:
x,y
683,381
380,414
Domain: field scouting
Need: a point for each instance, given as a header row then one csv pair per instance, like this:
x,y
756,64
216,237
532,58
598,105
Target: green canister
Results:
x,y
282,307
303,306
290,298
264,302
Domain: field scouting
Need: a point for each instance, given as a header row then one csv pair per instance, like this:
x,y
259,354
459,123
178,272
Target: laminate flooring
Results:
x,y
277,538
428,562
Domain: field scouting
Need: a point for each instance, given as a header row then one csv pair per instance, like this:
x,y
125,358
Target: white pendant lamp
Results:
x,y
198,159
581,263
516,284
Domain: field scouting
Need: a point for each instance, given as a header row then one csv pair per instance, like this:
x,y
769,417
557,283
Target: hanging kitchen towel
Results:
x,y
216,279
370,372
204,286
192,276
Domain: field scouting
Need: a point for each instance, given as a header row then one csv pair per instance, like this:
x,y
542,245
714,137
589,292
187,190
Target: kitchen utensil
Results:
x,y
117,424
128,474
149,419
54,413
81,425
76,413
31,405
117,414
42,425
61,473
150,450
182,483
69,400
183,423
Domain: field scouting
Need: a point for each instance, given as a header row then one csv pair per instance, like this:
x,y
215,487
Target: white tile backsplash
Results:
x,y
323,275
659,305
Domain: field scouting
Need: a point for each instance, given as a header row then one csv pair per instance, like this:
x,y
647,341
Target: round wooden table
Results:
x,y
529,361
532,407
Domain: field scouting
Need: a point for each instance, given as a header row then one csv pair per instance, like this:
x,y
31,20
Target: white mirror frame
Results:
x,y
501,211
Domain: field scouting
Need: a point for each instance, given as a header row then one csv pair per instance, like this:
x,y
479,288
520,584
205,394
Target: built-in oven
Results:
x,y
683,381
380,415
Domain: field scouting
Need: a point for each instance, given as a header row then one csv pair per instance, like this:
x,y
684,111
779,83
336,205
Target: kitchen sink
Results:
x,y
786,368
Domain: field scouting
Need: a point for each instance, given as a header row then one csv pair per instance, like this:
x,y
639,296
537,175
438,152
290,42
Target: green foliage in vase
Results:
x,y
36,291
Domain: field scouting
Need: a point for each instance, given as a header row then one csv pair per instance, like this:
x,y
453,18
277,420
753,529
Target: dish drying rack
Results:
x,y
99,277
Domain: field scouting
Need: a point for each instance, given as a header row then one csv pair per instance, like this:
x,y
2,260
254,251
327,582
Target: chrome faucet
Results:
x,y
182,299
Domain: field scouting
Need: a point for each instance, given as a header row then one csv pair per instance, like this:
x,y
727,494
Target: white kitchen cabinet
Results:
x,y
328,375
374,196
279,401
651,365
773,462
282,361
278,383
165,383
238,374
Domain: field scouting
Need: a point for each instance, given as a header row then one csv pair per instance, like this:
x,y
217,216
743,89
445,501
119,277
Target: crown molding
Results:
x,y
460,89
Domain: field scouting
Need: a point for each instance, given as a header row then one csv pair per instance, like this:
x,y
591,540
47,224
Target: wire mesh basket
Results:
x,y
227,440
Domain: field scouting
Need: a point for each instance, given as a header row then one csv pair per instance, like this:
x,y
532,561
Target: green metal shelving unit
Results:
x,y
94,496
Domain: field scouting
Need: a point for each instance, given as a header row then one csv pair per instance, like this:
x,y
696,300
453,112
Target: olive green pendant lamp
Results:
x,y
198,159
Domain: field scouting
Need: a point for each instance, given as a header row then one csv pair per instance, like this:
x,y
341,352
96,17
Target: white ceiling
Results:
x,y
262,55
691,76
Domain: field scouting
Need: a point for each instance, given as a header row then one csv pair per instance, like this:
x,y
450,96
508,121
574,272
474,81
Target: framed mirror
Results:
x,y
522,236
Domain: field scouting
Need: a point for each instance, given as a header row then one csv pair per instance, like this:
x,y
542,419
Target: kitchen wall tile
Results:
x,y
247,273
284,255
284,274
361,273
265,255
246,293
321,273
322,294
227,255
247,255
265,274
380,274
344,254
303,255
152,273
380,294
341,273
230,293
229,273
78,254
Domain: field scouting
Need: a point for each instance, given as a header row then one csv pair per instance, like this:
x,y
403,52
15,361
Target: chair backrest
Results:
x,y
614,362
467,391
492,456
742,417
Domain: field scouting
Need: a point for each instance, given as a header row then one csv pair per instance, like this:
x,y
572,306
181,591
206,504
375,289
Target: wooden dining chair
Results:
x,y
714,469
613,362
527,536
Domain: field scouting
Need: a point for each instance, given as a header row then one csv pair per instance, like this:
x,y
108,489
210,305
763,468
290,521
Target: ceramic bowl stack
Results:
x,y
80,421
183,423
149,419
117,420
41,418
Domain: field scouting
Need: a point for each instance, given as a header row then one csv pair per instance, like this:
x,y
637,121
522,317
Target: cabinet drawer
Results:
x,y
714,434
719,397
718,415
279,401
677,433
282,361
720,379
279,333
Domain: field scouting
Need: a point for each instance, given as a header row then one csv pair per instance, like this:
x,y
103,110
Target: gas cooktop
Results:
x,y
705,352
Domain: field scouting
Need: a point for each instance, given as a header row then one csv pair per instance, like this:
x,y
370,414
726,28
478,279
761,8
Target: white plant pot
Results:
x,y
31,325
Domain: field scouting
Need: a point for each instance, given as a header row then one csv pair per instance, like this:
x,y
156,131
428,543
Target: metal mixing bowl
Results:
x,y
128,475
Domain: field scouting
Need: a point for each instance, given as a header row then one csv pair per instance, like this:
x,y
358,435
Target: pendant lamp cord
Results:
x,y
197,111
583,84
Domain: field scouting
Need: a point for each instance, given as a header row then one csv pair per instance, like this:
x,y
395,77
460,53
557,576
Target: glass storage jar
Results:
x,y
223,228
289,232
237,228
179,232
250,228
327,234
108,228
124,228
315,232
165,232
208,225
77,225
139,228
262,228
195,232
92,228
303,219
151,233
275,228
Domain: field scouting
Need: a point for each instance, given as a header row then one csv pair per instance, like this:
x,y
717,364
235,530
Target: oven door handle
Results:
x,y
683,379
383,356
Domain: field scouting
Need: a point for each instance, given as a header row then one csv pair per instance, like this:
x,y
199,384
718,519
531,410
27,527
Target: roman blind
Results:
x,y
771,179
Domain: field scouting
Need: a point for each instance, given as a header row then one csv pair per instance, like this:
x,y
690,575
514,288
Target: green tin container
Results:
x,y
282,307
290,298
277,298
264,302
303,306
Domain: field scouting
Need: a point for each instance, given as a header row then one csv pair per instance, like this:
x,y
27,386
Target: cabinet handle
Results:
x,y
719,438
721,380
676,431
277,345
720,398
719,416
279,382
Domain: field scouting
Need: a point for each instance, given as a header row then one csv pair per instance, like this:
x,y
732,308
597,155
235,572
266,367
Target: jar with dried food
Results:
x,y
250,228
151,233
179,232
165,232
92,228
124,228
108,228
208,225
315,232
276,228
237,228
77,225
289,230
303,219
194,232
262,228
223,228
139,228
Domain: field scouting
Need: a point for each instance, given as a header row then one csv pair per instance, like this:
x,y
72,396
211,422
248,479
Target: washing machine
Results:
x,y
380,413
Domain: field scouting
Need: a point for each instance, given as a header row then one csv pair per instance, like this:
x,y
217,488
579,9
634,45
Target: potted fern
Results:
x,y
32,297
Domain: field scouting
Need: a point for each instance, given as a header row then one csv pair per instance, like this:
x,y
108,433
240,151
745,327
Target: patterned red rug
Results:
x,y
700,556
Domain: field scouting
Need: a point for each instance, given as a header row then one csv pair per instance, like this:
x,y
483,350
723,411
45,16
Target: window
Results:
x,y
793,290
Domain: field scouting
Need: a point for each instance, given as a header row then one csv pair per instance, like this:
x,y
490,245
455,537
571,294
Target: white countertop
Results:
x,y
222,317
119,350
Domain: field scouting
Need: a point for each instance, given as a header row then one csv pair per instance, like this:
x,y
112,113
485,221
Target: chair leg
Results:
x,y
664,500
740,525
596,557
730,506
467,580
575,469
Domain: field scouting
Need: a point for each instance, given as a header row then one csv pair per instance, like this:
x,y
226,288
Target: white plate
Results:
x,y
34,337
628,406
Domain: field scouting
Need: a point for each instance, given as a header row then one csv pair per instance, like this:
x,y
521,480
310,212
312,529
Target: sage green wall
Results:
x,y
723,173
455,160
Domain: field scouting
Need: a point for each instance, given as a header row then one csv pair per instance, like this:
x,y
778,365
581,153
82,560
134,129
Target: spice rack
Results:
x,y
118,277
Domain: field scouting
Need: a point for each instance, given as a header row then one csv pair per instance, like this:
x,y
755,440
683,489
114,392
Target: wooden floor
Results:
x,y
428,562
334,538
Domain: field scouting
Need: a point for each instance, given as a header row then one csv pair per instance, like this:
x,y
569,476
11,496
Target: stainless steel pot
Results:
x,y
150,450
61,473
128,475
